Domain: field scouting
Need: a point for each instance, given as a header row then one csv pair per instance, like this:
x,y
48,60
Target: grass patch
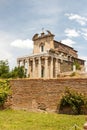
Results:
x,y
23,120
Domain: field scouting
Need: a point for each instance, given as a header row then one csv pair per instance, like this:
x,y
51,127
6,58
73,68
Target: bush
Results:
x,y
73,74
76,101
4,91
77,65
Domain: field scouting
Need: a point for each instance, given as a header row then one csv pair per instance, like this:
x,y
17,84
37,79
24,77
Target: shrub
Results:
x,y
73,74
4,91
77,65
74,100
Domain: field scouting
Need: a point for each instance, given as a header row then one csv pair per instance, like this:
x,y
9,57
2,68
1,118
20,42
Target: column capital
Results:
x,y
27,60
46,58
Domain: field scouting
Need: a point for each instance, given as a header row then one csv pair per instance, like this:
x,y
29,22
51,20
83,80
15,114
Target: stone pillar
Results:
x,y
51,68
28,68
18,63
74,68
46,67
56,68
33,67
39,67
23,64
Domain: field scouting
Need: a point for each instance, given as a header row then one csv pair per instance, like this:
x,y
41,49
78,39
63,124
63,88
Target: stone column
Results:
x,y
74,68
46,67
39,67
28,68
18,63
23,64
51,68
56,68
33,67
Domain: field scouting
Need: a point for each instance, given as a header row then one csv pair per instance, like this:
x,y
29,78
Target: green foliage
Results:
x,y
77,65
74,100
4,69
73,74
4,91
18,72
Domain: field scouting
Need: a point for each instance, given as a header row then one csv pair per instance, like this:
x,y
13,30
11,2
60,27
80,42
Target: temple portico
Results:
x,y
40,66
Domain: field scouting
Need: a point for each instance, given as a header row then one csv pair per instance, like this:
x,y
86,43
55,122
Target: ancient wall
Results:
x,y
41,94
66,66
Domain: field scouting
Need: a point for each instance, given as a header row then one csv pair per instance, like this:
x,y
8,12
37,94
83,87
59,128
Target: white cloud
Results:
x,y
84,33
79,19
5,39
71,33
68,42
5,50
24,44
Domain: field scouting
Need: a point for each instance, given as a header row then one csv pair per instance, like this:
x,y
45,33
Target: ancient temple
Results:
x,y
49,58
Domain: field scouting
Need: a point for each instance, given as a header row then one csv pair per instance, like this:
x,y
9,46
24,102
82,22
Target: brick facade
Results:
x,y
41,94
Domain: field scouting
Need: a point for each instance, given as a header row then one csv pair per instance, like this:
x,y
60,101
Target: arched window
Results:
x,y
42,47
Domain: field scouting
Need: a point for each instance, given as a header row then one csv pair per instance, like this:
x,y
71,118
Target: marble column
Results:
x,y
33,67
46,67
56,68
28,68
39,67
23,64
74,68
18,63
51,68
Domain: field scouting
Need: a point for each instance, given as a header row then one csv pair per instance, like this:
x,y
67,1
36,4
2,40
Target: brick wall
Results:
x,y
41,94
66,66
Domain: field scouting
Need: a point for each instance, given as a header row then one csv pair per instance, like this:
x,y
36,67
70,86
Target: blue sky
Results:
x,y
21,19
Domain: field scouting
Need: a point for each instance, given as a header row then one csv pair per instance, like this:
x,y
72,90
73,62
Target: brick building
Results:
x,y
49,58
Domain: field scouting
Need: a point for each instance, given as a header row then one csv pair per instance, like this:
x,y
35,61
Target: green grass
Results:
x,y
23,120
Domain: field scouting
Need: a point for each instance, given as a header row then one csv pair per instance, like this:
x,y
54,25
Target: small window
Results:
x,y
42,48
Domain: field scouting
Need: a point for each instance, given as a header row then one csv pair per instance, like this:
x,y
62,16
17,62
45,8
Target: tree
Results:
x,y
4,69
18,72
